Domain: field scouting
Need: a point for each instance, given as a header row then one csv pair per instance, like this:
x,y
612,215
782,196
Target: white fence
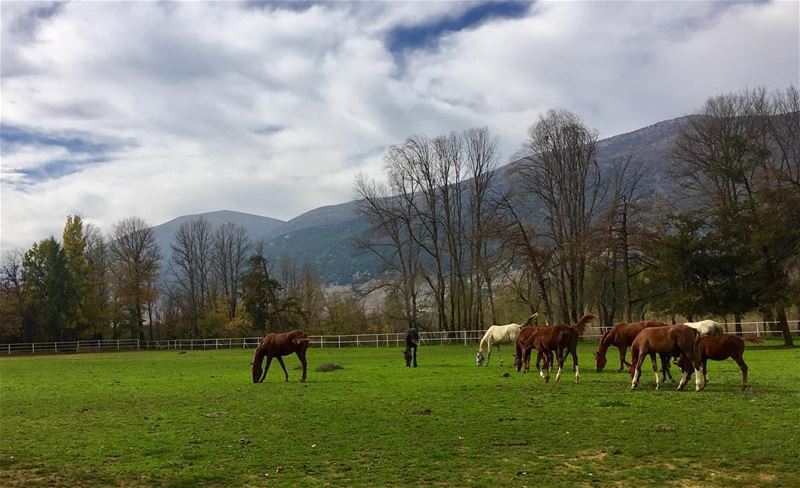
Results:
x,y
392,339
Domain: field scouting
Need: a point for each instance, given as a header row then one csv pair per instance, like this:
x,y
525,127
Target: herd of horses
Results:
x,y
691,344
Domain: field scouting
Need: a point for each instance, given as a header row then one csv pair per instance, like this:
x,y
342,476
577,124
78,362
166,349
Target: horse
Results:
x,y
706,328
720,348
667,342
560,339
621,335
524,346
276,346
412,341
496,335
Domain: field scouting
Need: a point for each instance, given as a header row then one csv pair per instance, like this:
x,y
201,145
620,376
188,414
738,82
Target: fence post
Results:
x,y
340,342
98,344
377,340
137,344
357,344
55,346
465,337
33,348
758,332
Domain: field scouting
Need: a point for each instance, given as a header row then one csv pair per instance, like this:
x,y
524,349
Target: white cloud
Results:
x,y
274,111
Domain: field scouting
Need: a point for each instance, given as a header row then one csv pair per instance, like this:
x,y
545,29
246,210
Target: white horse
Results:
x,y
706,328
496,335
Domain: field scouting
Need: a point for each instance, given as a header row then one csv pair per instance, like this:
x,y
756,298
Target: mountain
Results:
x,y
324,237
258,227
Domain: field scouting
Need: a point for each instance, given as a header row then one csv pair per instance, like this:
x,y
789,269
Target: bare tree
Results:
x,y
135,261
231,248
191,268
481,149
559,169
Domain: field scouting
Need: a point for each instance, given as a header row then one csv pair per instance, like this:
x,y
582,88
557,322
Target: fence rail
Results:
x,y
391,339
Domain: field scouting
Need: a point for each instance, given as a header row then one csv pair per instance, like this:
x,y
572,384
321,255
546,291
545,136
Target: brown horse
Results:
x,y
667,342
524,346
560,339
719,348
621,335
278,345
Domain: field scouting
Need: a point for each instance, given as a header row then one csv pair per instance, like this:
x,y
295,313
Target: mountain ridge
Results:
x,y
323,237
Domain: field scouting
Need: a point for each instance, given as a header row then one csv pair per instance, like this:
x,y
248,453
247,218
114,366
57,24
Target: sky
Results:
x,y
160,109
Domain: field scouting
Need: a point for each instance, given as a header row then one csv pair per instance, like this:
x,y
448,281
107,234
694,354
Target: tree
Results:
x,y
135,259
191,269
230,248
259,294
74,243
49,290
735,160
12,296
558,167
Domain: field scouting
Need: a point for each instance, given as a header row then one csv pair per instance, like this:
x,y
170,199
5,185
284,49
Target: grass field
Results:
x,y
185,419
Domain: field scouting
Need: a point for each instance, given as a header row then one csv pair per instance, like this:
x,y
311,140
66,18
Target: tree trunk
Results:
x,y
783,323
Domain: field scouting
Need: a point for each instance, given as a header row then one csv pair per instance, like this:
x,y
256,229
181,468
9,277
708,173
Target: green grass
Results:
x,y
172,419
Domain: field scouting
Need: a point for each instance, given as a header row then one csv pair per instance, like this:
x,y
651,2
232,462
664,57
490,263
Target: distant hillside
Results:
x,y
324,236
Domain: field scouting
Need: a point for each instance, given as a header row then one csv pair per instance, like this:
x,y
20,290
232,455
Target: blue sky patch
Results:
x,y
408,38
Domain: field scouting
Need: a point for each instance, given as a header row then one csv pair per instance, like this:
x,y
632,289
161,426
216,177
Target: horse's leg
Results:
x,y
415,356
283,366
499,354
574,352
655,369
301,355
622,362
704,365
266,368
637,368
743,366
488,351
548,364
560,357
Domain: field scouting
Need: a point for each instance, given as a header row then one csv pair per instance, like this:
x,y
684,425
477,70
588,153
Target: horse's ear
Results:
x,y
251,363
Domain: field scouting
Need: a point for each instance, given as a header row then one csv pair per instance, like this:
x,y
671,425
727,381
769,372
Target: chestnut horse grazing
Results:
x,y
719,349
496,335
666,341
560,339
621,335
276,346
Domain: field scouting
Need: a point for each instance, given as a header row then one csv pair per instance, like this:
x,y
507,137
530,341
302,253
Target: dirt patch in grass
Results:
x,y
329,367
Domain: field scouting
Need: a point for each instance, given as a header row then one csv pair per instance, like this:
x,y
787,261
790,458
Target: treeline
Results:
x,y
459,240
217,283
464,243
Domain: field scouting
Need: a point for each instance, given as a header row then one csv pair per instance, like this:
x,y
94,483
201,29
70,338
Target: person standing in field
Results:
x,y
412,341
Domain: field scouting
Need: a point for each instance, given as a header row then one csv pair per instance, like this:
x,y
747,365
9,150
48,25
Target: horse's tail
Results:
x,y
530,319
484,339
755,340
580,327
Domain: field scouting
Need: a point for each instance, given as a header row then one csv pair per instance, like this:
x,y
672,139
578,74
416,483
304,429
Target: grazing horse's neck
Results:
x,y
605,342
261,351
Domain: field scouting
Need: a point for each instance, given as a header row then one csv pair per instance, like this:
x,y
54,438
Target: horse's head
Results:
x,y
599,361
256,370
479,358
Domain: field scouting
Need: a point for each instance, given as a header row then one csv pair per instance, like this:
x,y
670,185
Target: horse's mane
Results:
x,y
580,327
607,334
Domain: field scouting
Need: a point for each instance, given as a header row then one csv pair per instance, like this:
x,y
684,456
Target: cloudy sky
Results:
x,y
162,109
